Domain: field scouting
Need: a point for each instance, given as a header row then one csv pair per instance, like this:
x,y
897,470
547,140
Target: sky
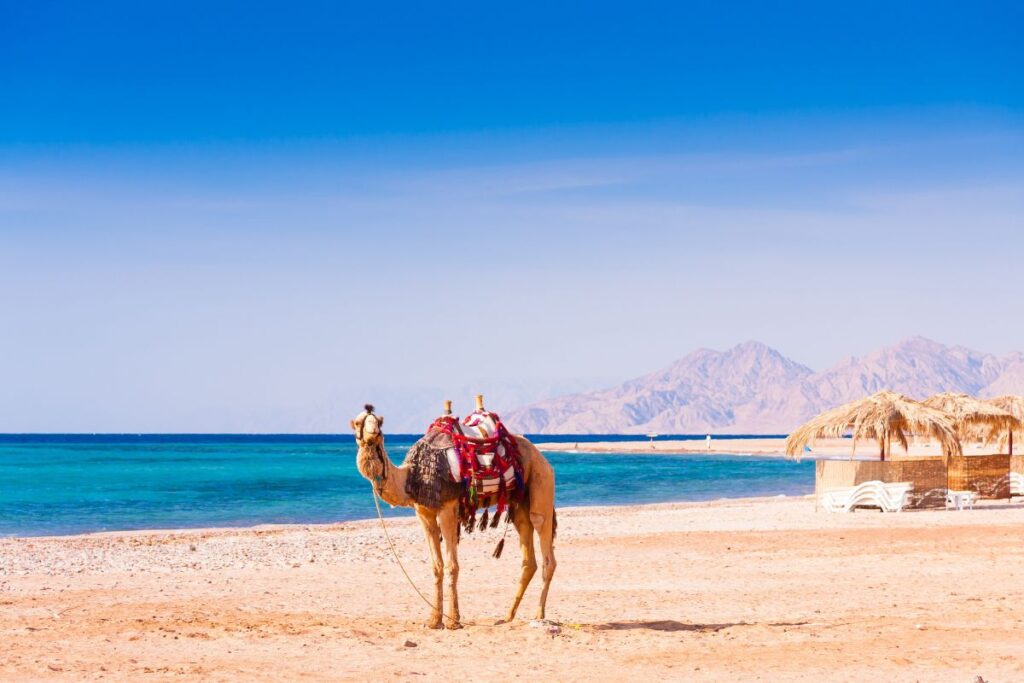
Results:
x,y
256,216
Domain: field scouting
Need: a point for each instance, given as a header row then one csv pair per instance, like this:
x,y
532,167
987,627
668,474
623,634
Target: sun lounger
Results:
x,y
1016,484
886,497
960,500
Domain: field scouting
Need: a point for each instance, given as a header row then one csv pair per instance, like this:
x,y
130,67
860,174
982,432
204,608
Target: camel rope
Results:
x,y
391,544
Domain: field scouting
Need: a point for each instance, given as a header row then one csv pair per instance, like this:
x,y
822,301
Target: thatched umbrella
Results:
x,y
1014,405
881,417
974,418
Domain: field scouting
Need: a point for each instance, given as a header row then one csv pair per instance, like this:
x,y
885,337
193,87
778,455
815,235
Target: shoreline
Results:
x,y
271,528
407,523
824,449
747,447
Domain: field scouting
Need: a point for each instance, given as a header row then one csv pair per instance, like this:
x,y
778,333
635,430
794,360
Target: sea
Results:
x,y
56,484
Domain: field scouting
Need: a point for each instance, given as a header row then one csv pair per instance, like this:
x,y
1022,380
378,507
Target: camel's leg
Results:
x,y
542,516
449,522
521,519
432,531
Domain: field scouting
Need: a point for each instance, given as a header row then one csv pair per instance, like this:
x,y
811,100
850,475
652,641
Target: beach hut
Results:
x,y
987,476
974,418
1015,406
881,417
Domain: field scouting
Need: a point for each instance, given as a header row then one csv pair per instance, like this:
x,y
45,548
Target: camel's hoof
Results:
x,y
453,625
500,622
434,624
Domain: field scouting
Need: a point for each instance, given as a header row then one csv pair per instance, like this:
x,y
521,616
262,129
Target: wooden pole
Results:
x,y
479,401
448,407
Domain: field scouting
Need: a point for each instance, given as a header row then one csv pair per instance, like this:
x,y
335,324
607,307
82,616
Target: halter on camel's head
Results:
x,y
370,437
368,427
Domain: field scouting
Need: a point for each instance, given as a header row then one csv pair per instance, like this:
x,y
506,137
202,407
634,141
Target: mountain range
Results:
x,y
753,389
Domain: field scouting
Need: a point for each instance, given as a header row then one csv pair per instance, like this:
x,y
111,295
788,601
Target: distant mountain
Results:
x,y
753,388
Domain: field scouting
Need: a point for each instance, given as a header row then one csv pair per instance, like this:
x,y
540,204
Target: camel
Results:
x,y
536,512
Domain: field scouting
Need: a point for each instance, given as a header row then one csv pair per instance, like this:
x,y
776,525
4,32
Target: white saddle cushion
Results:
x,y
480,426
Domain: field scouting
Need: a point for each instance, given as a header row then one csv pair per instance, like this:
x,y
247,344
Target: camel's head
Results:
x,y
371,460
368,427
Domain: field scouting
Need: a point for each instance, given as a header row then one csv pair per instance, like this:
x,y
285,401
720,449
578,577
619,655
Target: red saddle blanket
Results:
x,y
490,469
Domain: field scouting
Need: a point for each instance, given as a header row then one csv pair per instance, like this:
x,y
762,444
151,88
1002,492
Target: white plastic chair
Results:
x,y
960,500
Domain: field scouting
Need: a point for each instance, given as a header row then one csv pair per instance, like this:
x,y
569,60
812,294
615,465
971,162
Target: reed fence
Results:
x,y
986,475
927,476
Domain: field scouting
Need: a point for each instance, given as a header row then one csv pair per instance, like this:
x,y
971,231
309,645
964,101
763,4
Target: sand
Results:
x,y
751,590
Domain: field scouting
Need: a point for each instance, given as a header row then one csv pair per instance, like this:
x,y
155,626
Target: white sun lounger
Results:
x,y
1016,484
886,497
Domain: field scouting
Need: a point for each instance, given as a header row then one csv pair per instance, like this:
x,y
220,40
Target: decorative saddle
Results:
x,y
484,458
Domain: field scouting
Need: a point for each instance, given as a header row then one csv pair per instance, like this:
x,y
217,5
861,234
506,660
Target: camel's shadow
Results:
x,y
673,625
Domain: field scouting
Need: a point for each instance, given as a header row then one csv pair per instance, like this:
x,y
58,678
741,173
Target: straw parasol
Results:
x,y
974,418
881,417
1015,406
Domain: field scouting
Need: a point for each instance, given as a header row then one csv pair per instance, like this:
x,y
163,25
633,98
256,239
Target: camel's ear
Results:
x,y
352,424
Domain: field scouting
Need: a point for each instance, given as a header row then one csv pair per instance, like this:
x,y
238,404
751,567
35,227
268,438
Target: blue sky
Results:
x,y
245,216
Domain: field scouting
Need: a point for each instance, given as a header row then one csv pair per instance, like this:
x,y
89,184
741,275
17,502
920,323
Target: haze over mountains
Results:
x,y
752,388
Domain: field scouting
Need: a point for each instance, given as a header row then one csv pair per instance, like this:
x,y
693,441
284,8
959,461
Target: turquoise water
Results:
x,y
75,484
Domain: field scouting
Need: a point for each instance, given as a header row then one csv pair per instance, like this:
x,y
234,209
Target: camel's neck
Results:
x,y
375,465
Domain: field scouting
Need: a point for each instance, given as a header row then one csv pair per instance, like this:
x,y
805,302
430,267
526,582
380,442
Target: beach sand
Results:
x,y
750,590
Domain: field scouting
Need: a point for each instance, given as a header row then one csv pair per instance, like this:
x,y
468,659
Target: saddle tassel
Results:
x,y
501,543
483,520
